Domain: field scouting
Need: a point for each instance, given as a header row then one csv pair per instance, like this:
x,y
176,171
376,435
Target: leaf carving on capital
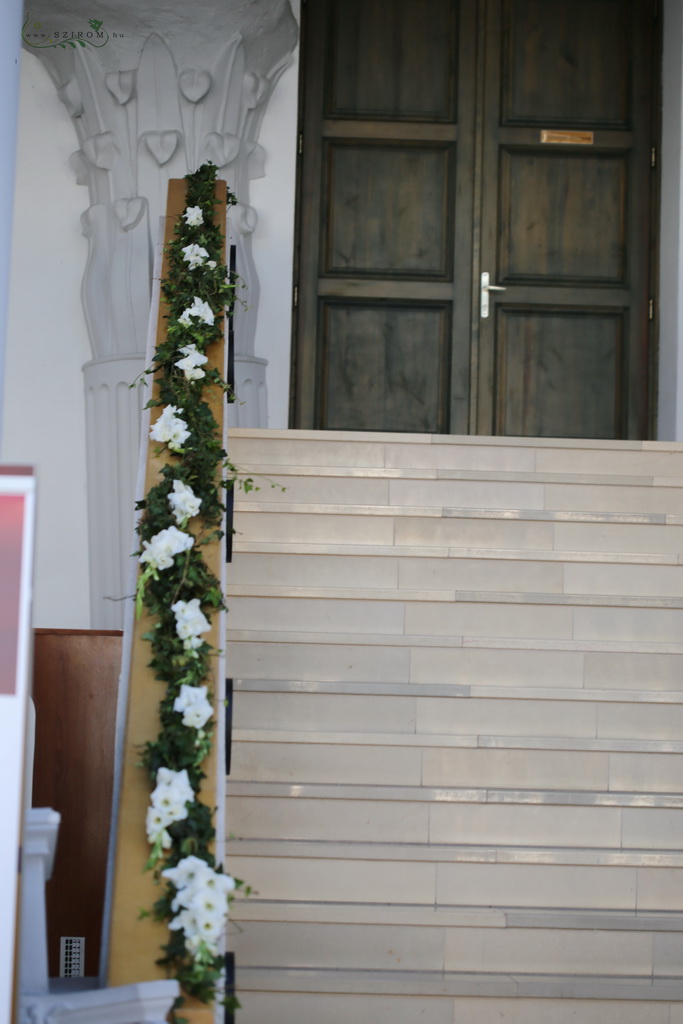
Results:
x,y
256,161
255,88
101,150
246,218
194,83
121,85
70,95
129,211
80,168
221,148
162,145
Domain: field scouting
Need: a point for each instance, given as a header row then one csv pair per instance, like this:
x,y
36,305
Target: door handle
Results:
x,y
484,294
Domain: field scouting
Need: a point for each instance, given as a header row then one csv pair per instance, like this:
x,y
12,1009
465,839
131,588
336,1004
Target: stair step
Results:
x,y
556,455
276,689
456,641
644,620
460,713
451,596
273,478
365,997
448,489
456,876
407,552
426,794
505,512
461,528
276,737
483,762
255,909
292,944
544,824
466,660
441,578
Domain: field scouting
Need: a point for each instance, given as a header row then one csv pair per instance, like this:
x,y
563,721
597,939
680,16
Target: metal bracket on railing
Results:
x,y
228,725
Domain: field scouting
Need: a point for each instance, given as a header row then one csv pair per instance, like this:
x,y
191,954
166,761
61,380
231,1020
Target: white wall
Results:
x,y
9,103
273,241
47,343
670,418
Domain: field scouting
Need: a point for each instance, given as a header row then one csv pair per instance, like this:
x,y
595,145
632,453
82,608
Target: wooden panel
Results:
x,y
559,373
135,943
563,217
392,59
384,367
389,210
566,62
75,683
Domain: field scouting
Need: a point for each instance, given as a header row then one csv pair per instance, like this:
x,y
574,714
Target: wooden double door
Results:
x,y
443,141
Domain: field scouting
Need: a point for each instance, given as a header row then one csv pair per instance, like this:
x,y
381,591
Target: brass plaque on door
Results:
x,y
567,138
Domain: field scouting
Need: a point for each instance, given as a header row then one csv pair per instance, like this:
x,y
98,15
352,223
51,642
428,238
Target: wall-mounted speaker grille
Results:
x,y
71,956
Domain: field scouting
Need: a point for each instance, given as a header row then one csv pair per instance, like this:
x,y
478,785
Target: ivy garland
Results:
x,y
179,591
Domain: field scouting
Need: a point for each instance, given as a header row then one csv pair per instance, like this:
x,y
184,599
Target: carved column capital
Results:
x,y
153,92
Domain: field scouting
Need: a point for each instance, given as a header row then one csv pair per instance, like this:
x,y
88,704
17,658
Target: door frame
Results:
x,y
665,413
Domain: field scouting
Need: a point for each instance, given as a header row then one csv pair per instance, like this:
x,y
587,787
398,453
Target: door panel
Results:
x,y
386,207
551,362
374,225
383,366
394,60
565,224
443,139
566,63
562,217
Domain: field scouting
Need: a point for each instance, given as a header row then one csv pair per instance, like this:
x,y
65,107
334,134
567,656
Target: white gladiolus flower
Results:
x,y
187,871
190,622
183,501
170,429
199,309
194,255
179,782
201,902
169,802
193,216
220,882
211,264
161,549
191,362
195,707
157,818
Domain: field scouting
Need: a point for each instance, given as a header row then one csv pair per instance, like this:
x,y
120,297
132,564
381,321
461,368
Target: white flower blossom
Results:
x,y
201,902
211,264
193,216
199,309
192,701
170,429
190,622
183,501
157,820
160,551
191,362
168,804
187,871
194,255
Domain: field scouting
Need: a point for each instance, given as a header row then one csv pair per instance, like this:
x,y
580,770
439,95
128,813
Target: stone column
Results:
x,y
153,91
